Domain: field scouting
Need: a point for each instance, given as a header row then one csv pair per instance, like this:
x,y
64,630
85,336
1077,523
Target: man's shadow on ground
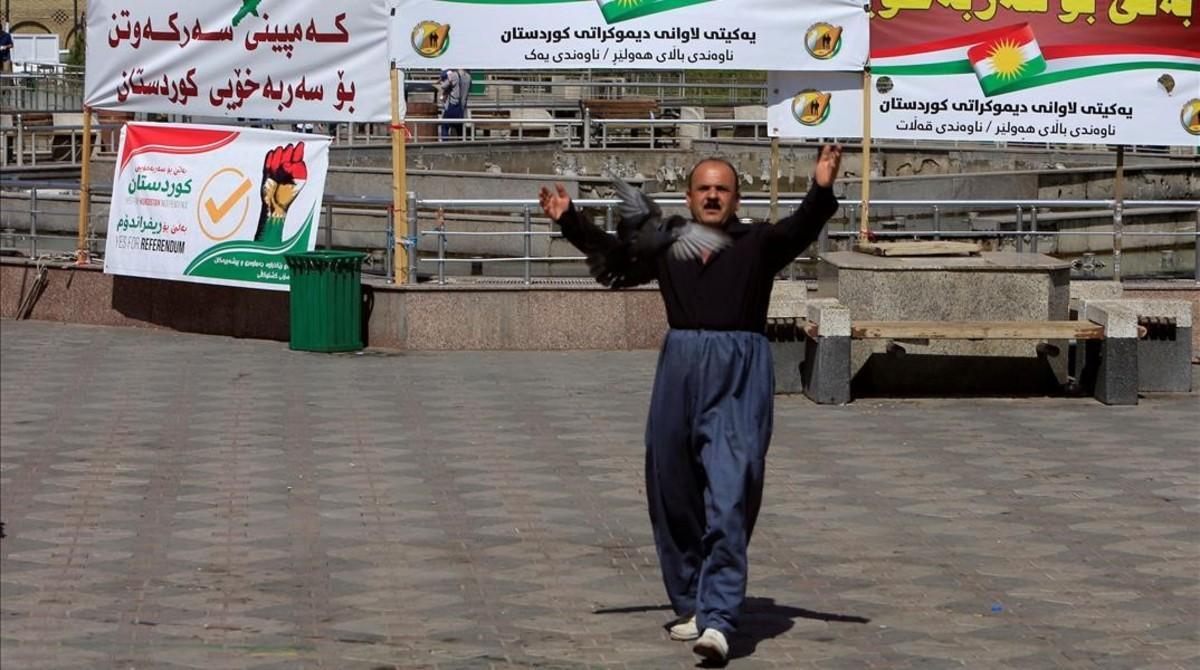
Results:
x,y
762,619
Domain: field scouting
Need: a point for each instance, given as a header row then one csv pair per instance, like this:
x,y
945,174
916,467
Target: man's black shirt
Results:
x,y
733,289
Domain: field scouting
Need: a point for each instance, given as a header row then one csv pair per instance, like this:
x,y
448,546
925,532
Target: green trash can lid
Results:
x,y
325,258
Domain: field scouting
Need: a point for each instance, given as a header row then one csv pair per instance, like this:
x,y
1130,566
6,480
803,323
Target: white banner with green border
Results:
x,y
214,204
631,34
259,59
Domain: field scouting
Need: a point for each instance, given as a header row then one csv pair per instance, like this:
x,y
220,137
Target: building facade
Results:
x,y
46,17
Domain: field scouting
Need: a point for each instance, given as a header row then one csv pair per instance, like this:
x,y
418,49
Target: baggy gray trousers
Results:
x,y
707,434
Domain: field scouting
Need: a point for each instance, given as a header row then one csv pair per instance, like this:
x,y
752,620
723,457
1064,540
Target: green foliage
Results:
x,y
78,53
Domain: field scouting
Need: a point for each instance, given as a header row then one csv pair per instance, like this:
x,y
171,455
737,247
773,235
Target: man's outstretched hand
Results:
x,y
555,204
828,162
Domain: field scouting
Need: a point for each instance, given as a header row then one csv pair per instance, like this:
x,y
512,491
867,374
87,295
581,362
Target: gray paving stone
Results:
x,y
180,501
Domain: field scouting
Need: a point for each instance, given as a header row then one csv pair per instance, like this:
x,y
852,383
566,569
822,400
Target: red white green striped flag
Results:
x,y
1009,59
1006,58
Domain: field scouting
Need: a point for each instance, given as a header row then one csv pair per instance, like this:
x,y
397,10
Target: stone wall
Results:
x,y
421,317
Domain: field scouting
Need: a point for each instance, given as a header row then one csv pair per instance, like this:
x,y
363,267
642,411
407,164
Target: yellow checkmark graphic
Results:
x,y
221,208
217,212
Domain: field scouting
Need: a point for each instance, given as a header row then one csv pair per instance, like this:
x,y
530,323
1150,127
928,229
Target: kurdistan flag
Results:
x,y
1007,58
1010,59
623,10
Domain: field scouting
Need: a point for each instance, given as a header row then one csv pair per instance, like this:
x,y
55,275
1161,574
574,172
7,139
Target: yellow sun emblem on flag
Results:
x,y
628,3
1007,59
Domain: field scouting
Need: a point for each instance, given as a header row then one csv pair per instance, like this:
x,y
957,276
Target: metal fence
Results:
x,y
436,249
1025,236
45,88
24,144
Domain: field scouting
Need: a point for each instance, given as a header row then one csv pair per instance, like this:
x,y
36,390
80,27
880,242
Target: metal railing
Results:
x,y
587,132
41,145
431,250
1026,232
38,145
23,144
42,88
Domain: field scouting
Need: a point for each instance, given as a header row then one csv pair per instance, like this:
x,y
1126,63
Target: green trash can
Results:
x,y
326,300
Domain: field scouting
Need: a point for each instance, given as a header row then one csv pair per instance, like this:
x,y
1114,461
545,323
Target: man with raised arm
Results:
x,y
711,408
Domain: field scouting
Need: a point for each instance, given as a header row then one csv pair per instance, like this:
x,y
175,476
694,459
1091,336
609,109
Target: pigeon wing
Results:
x,y
692,240
626,263
617,268
636,208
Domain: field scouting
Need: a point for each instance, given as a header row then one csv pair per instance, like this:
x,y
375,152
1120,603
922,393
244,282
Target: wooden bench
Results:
x,y
975,330
1109,339
599,109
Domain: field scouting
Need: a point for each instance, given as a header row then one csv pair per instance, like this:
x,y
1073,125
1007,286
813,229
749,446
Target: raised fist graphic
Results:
x,y
284,175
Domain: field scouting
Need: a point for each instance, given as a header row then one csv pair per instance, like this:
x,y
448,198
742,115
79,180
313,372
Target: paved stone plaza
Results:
x,y
183,501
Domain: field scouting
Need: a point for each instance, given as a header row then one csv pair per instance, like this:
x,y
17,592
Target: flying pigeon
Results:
x,y
644,234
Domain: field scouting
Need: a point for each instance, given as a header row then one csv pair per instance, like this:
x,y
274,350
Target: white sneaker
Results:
x,y
684,628
712,645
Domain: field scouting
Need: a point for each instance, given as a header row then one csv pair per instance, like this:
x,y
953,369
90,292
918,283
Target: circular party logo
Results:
x,y
1190,116
430,38
823,40
811,107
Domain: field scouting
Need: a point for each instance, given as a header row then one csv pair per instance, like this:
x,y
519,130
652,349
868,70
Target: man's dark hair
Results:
x,y
737,180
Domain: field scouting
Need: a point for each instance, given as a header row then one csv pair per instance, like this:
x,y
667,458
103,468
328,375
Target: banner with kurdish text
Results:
x,y
260,59
1059,71
631,34
214,204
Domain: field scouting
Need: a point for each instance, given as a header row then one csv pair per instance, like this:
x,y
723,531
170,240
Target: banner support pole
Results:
x,y
1118,211
864,220
773,214
85,190
399,186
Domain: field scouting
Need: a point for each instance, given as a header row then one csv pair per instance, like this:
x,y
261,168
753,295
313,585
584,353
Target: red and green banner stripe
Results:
x,y
1061,63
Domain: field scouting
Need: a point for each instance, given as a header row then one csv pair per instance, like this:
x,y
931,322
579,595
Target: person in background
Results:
x,y
455,86
6,49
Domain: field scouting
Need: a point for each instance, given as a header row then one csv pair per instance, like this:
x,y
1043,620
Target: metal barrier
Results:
x,y
1026,232
24,145
548,88
849,230
29,145
33,146
42,88
589,133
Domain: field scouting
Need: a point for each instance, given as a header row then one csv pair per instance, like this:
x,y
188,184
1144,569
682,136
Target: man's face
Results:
x,y
712,194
